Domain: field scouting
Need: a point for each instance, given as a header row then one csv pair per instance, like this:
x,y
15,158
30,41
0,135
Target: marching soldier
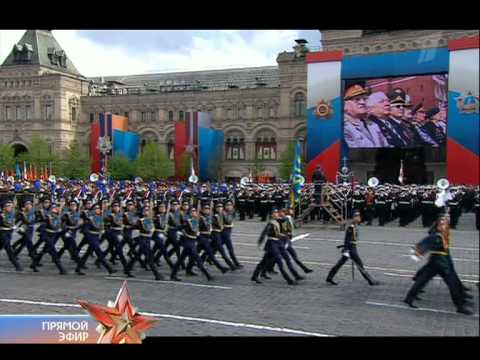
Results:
x,y
228,215
455,209
51,232
437,244
250,205
216,236
114,221
205,232
95,226
273,234
7,226
160,235
174,228
146,228
70,224
350,252
191,232
26,221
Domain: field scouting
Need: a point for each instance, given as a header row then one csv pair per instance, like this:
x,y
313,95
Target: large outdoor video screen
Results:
x,y
396,112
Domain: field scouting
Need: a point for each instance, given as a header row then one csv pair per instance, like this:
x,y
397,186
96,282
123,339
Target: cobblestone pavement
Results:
x,y
233,305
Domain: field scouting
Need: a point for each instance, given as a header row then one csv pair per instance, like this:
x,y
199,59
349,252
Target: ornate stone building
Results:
x,y
260,109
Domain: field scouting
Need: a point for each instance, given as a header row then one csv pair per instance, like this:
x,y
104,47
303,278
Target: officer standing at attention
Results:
x,y
350,251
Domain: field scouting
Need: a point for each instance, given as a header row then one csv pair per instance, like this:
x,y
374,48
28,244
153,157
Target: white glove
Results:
x,y
346,253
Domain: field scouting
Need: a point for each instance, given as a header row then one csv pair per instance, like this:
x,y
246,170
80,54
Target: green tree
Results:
x,y
184,171
258,166
7,157
154,163
40,154
120,168
74,164
286,161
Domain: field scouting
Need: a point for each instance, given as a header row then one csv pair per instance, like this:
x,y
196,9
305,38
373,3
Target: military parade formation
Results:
x,y
187,224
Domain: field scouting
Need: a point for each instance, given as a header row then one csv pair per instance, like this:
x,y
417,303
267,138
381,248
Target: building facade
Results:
x,y
261,110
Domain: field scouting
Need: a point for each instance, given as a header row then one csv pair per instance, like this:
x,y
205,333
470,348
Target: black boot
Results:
x,y
409,302
330,281
174,277
255,278
191,273
465,311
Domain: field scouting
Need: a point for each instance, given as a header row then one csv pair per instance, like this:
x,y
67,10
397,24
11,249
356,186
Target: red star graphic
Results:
x,y
120,322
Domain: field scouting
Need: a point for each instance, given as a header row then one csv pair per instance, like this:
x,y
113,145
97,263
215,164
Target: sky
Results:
x,y
124,52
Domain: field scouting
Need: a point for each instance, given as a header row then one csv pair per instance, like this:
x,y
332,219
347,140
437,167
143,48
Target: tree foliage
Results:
x,y
153,163
120,168
7,157
75,164
185,165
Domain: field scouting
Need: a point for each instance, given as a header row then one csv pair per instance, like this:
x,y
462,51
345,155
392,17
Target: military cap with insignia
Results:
x,y
354,91
206,207
115,203
432,112
397,96
219,205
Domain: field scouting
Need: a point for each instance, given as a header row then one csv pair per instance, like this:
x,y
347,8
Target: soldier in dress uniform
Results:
x,y
146,228
216,236
95,227
404,208
262,209
114,220
228,215
455,207
160,234
369,206
477,210
437,244
271,249
51,232
70,225
433,127
428,209
250,204
26,221
397,99
204,241
174,228
241,205
7,226
189,244
349,251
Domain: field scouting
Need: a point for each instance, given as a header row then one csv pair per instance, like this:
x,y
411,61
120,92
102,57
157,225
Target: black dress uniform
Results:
x,y
455,207
437,244
477,211
250,205
241,205
350,251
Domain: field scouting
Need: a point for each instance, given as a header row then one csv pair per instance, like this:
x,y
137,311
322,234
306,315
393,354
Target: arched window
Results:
x,y
299,104
266,146
146,138
302,137
235,146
